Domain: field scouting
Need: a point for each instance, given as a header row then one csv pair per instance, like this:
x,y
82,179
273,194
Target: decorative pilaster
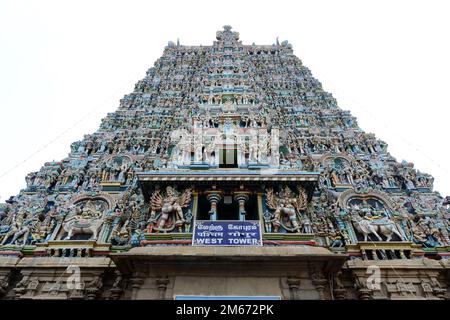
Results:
x,y
438,291
77,293
364,292
214,197
241,197
161,284
117,288
294,286
4,283
339,291
319,281
21,287
32,287
93,288
136,282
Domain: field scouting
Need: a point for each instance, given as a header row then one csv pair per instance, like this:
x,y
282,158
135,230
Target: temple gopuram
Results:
x,y
227,172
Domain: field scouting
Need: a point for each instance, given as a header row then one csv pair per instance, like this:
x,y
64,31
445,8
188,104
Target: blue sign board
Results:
x,y
227,233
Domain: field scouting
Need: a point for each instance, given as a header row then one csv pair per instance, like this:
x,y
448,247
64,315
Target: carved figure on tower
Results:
x,y
287,207
167,209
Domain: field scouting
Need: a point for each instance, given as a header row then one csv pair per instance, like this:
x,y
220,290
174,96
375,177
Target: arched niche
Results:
x,y
336,160
350,196
85,217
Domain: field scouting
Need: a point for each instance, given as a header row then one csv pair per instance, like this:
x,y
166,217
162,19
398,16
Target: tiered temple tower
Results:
x,y
228,171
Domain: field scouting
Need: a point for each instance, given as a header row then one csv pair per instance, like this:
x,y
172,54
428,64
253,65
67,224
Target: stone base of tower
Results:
x,y
289,272
403,279
186,272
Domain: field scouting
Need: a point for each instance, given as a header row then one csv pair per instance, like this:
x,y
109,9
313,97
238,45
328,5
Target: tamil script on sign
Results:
x,y
227,233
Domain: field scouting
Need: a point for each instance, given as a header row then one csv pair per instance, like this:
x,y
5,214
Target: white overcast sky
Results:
x,y
65,64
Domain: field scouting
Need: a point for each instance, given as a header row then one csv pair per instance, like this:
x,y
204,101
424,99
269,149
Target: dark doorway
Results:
x,y
227,210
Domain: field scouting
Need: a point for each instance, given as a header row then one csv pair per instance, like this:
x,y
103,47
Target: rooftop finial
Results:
x,y
227,34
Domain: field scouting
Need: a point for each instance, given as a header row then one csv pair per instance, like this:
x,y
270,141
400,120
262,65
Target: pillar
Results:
x,y
214,198
241,197
294,286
